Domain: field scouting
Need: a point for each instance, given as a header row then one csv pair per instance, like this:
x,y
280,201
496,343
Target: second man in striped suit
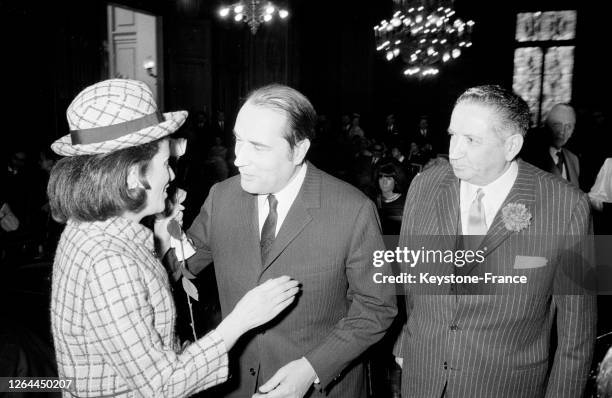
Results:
x,y
484,340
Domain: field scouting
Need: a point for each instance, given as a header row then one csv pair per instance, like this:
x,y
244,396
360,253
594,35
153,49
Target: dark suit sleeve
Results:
x,y
199,233
372,306
576,308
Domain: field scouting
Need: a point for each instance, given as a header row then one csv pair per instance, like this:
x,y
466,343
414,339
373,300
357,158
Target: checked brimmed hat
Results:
x,y
112,115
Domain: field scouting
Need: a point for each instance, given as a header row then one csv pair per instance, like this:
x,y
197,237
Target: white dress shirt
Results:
x,y
494,195
285,198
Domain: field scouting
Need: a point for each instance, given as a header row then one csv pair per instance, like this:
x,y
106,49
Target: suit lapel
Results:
x,y
551,166
299,216
249,211
522,191
447,205
448,214
570,167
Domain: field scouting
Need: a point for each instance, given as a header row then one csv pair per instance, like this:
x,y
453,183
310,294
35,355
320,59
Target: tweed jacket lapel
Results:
x,y
299,216
523,191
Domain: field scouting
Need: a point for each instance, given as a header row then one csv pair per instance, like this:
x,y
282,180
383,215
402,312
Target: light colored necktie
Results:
x,y
476,217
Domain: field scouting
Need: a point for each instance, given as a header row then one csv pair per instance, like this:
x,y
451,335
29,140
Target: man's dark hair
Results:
x,y
94,187
511,110
301,116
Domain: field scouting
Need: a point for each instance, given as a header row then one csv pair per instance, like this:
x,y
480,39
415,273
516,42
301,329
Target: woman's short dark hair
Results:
x,y
94,187
392,168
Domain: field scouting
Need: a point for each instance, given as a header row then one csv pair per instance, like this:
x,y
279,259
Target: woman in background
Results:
x,y
113,317
392,187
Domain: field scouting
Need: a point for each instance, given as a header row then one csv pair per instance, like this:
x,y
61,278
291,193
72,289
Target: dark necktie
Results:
x,y
560,164
268,232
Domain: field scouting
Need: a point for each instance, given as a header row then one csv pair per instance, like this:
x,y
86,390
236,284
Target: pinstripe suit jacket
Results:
x,y
326,243
496,341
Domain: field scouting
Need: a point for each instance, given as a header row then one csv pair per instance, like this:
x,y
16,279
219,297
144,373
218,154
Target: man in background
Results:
x,y
548,152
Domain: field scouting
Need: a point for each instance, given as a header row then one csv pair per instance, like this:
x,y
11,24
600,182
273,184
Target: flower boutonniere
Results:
x,y
516,217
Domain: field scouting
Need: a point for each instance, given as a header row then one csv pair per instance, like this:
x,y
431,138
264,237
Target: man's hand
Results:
x,y
291,381
399,361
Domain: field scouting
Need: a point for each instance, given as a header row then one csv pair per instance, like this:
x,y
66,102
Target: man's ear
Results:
x,y
133,177
300,150
513,146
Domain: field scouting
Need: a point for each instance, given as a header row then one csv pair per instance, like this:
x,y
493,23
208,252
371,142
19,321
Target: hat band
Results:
x,y
112,132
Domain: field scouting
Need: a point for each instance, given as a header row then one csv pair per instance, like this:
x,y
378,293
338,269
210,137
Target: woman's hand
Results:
x,y
160,228
258,306
266,301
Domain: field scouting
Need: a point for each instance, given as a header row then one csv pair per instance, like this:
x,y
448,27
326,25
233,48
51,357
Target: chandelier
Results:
x,y
253,12
425,33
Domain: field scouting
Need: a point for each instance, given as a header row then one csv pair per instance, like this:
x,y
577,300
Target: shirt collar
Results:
x,y
502,183
494,193
290,191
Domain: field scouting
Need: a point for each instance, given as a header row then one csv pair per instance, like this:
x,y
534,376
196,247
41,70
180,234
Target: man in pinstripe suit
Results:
x,y
460,342
283,216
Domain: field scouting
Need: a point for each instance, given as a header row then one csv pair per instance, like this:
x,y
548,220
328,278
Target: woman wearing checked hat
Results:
x,y
113,317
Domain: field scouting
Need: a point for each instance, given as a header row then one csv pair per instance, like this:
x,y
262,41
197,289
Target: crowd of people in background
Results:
x,y
27,228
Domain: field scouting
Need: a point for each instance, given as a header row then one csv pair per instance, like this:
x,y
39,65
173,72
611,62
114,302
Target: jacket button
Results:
x,y
445,365
252,372
454,327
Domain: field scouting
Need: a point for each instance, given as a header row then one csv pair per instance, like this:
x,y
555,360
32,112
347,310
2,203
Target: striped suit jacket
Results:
x,y
326,243
495,341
